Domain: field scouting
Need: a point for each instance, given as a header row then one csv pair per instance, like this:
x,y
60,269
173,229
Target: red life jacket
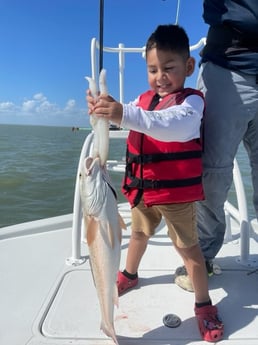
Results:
x,y
162,172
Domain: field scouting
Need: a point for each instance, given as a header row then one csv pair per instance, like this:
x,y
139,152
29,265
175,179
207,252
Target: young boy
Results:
x,y
163,175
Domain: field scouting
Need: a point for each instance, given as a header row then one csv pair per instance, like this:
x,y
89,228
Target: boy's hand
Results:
x,y
91,101
105,106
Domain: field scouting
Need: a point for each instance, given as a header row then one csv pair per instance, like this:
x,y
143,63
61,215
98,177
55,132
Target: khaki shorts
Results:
x,y
180,220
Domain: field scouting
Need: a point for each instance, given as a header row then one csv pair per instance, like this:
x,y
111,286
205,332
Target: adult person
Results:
x,y
228,78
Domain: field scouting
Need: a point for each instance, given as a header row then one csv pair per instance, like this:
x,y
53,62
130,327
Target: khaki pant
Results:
x,y
180,220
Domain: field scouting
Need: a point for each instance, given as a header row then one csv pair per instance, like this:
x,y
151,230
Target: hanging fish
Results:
x,y
103,223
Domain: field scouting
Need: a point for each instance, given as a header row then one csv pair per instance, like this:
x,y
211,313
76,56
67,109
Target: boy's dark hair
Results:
x,y
169,37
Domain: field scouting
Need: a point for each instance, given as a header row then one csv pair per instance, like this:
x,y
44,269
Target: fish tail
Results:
x,y
109,331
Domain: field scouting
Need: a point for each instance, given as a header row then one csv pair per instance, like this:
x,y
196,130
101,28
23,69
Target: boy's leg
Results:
x,y
144,222
181,221
129,277
196,268
209,323
137,246
183,280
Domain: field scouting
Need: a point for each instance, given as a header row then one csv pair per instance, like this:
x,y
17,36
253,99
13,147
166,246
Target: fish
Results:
x,y
103,236
100,125
102,222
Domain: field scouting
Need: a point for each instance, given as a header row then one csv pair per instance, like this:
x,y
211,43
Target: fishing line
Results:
x,y
177,12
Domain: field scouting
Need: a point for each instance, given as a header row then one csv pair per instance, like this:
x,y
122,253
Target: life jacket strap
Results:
x,y
159,157
157,184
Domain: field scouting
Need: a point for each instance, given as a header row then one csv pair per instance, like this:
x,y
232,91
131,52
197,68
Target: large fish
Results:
x,y
102,223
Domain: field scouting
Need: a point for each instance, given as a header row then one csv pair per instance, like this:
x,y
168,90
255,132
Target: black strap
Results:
x,y
154,102
113,190
159,157
156,184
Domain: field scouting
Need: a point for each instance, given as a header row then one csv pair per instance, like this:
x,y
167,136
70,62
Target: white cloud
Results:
x,y
46,107
28,106
70,105
7,106
39,110
38,104
39,97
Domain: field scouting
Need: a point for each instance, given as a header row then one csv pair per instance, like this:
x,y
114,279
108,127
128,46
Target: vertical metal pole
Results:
x,y
101,30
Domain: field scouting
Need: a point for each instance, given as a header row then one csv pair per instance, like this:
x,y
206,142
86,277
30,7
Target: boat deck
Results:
x,y
62,308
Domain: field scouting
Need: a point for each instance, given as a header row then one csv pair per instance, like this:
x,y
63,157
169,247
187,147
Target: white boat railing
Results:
x,y
240,214
76,258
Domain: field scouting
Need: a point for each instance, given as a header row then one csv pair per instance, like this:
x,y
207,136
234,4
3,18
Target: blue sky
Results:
x,y
45,53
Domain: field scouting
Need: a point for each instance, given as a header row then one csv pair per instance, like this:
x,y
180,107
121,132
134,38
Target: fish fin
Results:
x,y
92,225
121,222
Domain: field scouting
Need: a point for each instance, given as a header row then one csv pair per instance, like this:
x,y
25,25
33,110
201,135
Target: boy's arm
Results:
x,y
177,123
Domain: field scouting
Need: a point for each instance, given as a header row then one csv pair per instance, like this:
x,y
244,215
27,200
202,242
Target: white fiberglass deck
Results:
x,y
45,301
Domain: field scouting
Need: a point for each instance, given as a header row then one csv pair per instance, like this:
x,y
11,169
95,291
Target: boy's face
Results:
x,y
167,70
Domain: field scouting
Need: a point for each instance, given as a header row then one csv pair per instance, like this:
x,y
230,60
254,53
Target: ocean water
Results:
x,y
38,170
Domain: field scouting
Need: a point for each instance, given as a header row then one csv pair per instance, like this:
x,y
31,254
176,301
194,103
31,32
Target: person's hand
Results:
x,y
105,106
91,101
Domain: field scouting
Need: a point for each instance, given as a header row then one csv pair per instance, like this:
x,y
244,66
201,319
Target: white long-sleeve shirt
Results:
x,y
177,123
